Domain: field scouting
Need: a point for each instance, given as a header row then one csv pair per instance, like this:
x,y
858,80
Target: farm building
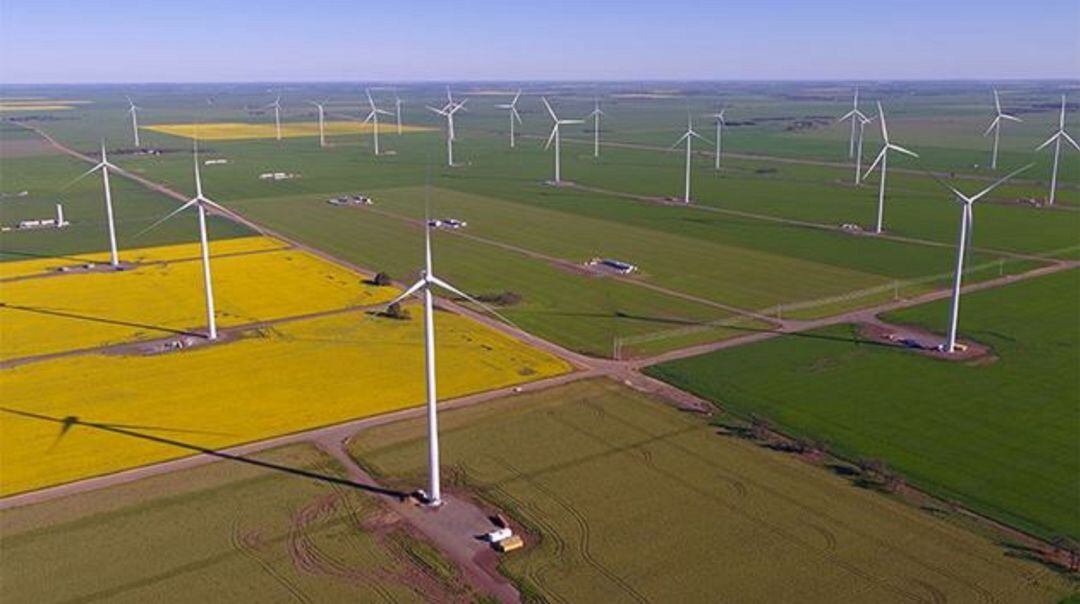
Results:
x,y
623,268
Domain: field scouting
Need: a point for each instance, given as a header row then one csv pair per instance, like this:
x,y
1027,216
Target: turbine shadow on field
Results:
x,y
71,421
70,315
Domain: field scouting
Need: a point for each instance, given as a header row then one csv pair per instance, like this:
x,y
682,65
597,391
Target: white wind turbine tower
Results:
x,y
133,109
514,115
1056,139
966,225
322,114
596,114
720,123
854,115
104,165
200,202
373,117
397,112
427,282
995,126
688,137
883,159
448,112
863,121
555,137
276,105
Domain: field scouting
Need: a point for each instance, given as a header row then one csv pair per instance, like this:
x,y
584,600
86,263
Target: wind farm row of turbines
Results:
x,y
857,118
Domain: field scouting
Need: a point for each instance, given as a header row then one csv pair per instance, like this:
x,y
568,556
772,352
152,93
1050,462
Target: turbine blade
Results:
x,y
997,102
998,182
457,292
993,124
551,136
206,201
1049,140
550,111
517,115
679,142
877,160
884,128
1070,139
1011,118
72,182
191,202
902,150
412,289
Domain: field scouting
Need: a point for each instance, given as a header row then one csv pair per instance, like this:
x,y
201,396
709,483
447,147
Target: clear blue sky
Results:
x,y
320,40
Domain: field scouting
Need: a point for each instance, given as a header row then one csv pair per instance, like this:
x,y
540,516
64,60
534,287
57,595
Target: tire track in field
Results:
x,y
536,574
982,593
584,534
247,544
782,533
936,595
309,557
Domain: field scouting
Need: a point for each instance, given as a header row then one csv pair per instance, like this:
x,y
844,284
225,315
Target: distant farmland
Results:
x,y
626,499
997,436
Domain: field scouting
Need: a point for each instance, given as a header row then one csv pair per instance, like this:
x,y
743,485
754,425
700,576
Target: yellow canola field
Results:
x,y
161,253
295,376
223,131
24,107
74,311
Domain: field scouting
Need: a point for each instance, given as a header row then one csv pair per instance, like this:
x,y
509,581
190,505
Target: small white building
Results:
x,y
499,535
623,268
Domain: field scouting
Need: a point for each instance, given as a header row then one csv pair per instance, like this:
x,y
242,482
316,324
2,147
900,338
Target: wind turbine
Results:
x,y
397,111
448,112
514,115
373,117
428,282
863,121
554,136
104,165
276,105
322,113
966,225
720,123
1056,139
201,203
596,113
883,159
688,137
133,110
854,115
995,126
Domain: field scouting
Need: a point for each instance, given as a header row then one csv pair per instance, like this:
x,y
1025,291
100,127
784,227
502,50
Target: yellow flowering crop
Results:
x,y
182,251
291,377
83,310
223,131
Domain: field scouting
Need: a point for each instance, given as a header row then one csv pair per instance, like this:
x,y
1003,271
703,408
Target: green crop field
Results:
x,y
227,531
626,499
999,436
47,179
